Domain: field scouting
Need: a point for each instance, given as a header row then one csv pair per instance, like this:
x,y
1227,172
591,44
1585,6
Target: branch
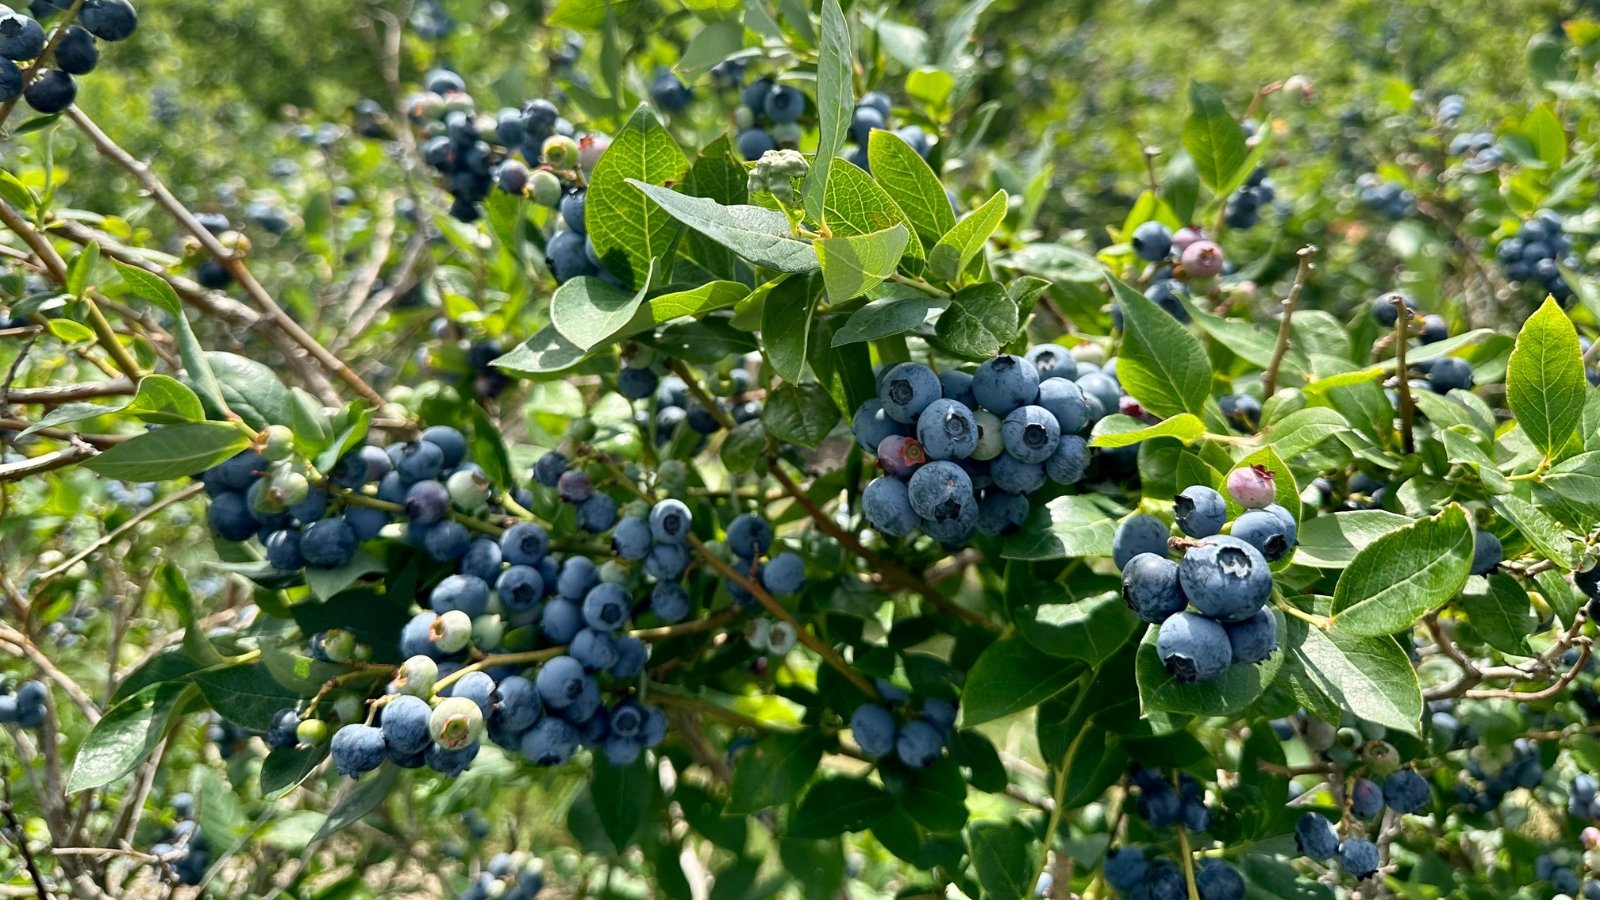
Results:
x,y
1270,379
101,441
68,393
60,459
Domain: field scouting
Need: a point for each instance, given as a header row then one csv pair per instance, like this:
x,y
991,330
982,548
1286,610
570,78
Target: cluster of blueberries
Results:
x,y
915,737
1226,577
768,117
209,271
431,21
1535,253
1132,873
643,377
26,707
22,39
1385,198
961,452
185,845
749,537
509,876
1404,791
1243,209
1354,742
1498,773
871,114
1556,868
1443,374
1178,257
1478,150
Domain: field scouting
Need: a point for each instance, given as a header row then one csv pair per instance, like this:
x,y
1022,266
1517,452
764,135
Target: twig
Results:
x,y
67,393
104,540
1270,379
14,827
100,441
36,656
1402,324
60,459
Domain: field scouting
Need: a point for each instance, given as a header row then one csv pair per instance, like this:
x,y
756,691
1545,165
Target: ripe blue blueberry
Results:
x,y
863,122
357,749
749,536
1201,511
10,81
606,606
669,601
1124,868
1159,804
1195,815
1316,837
1406,792
941,491
1018,477
1030,434
1163,880
1450,373
874,729
1004,383
1052,361
670,521
1225,578
595,649
520,588
1366,799
578,575
666,562
574,486
1001,513
907,390
1217,880
20,36
887,504
1070,461
1263,531
1139,533
597,514
1103,388
1152,241
450,762
957,386
632,654
427,502
631,539
918,744
1193,648
872,424
1487,552
482,560
1384,311
1063,399
561,620
947,430
229,517
784,575
1150,588
283,550
567,256
467,593
405,724
328,543
524,544
1254,639
109,20
446,541
547,470
560,681
954,532
784,104
282,734
76,53
450,441
419,461
1359,857
517,703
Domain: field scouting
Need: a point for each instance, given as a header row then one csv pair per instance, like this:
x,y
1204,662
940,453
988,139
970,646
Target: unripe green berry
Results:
x,y
338,645
582,429
560,151
756,632
638,355
1089,353
787,134
487,632
289,487
614,572
1381,757
279,444
311,732
456,722
468,490
1319,735
416,676
451,631
673,476
545,188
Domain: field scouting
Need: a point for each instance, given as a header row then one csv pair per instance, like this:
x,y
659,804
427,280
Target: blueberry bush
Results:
x,y
716,450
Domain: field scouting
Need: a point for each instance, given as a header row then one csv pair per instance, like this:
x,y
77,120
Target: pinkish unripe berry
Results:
x,y
1202,259
1252,488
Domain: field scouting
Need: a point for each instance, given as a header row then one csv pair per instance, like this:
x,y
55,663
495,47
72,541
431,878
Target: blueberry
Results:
x,y
1359,857
1252,487
670,521
561,620
76,53
669,93
467,593
578,575
632,654
329,543
1243,410
574,486
446,541
1002,513
405,724
873,728
597,514
1434,328
1004,383
1450,373
948,430
482,560
1152,241
1052,361
1366,799
573,205
1030,434
566,256
784,575
1200,510
1263,531
900,456
666,562
427,502
1150,588
52,91
1070,461
637,384
887,505
1407,792
20,36
1124,869
1254,639
560,681
753,142
1486,552
941,491
954,532
1163,880
285,722
1103,388
1225,578
10,81
907,390
1064,400
1159,804
1315,837
1193,648
749,536
596,650
669,601
784,104
1018,477
451,443
872,424
357,749
863,122
631,539
420,461
1195,816
414,635
1215,879
547,471
447,761
606,606
991,436
1140,533
283,550
524,544
957,386
918,744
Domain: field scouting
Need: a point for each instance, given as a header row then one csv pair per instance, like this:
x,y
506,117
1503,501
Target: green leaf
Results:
x,y
1068,526
1500,611
979,322
246,695
1213,138
82,269
252,390
68,413
329,583
196,363
1238,687
743,446
889,316
586,15
166,401
759,235
1000,857
1545,385
171,452
834,806
935,797
1304,429
628,231
587,311
854,265
1576,478
1543,130
363,798
1404,574
1180,186
149,287
284,770
545,353
1010,676
1370,676
907,177
774,770
1161,363
1333,541
175,590
713,43
1117,430
800,413
1562,595
692,303
127,733
14,192
348,430
835,104
786,326
628,795
949,257
1549,537
1090,629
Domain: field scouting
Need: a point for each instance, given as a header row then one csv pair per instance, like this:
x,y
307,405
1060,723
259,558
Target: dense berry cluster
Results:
x,y
1243,209
873,113
1177,258
25,708
1404,792
508,876
23,40
185,847
1226,578
915,737
1536,253
1165,803
961,453
1385,198
768,117
643,377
